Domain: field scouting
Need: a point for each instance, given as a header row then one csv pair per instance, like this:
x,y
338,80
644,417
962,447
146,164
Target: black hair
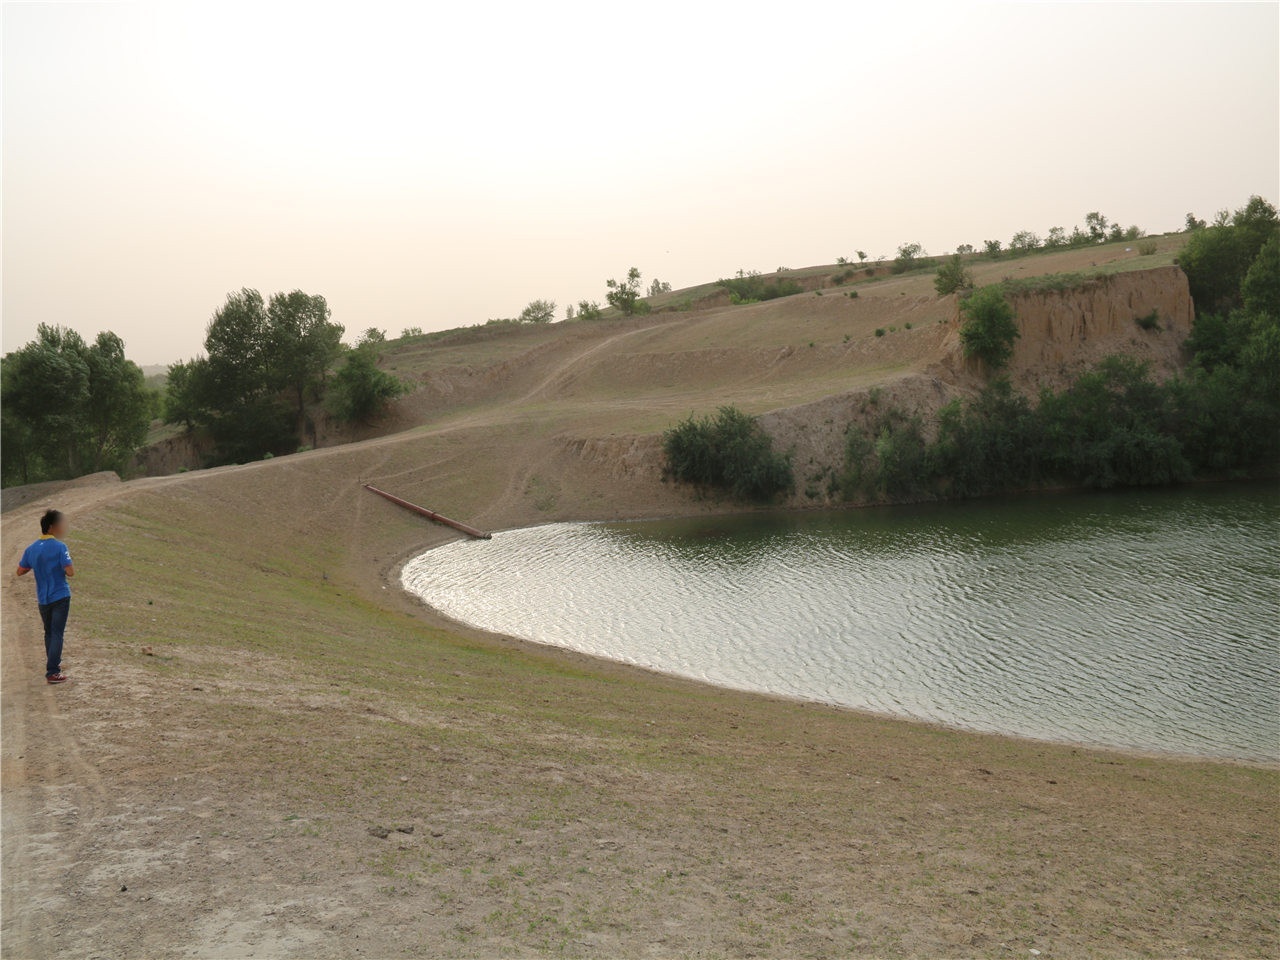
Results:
x,y
50,519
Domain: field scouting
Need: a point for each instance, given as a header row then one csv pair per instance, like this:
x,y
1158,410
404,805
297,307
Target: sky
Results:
x,y
436,165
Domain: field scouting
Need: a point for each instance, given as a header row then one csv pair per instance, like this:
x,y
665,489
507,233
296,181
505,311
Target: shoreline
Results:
x,y
438,617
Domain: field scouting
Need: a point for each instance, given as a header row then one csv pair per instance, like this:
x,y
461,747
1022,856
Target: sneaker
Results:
x,y
56,678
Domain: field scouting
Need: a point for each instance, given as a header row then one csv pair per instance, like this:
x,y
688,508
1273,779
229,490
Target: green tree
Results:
x,y
1096,224
118,406
1194,223
360,390
1024,241
300,345
657,286
908,257
989,328
1057,237
623,294
862,256
538,311
1217,258
952,276
70,407
1260,288
589,310
372,335
965,249
992,248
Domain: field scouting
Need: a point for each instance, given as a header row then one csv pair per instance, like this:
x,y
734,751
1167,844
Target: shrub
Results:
x,y
730,452
589,310
989,328
624,294
952,276
1149,321
879,331
888,462
360,391
538,311
752,287
853,294
1147,247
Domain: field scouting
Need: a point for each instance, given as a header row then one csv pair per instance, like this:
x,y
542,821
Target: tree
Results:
x,y
118,406
70,407
862,256
730,451
181,397
569,312
589,310
1024,241
909,255
538,311
1057,237
989,328
372,335
1194,223
965,249
301,344
1217,258
408,332
952,276
1096,224
360,391
842,261
623,294
1260,288
657,287
992,248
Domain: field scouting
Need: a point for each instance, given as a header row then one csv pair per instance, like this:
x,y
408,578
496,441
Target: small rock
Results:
x,y
197,688
407,828
1035,953
380,832
404,779
148,652
124,889
437,834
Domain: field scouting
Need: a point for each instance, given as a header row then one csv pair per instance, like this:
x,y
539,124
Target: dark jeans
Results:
x,y
54,616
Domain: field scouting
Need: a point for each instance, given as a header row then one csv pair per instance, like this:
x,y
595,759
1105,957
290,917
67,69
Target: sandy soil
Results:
x,y
268,750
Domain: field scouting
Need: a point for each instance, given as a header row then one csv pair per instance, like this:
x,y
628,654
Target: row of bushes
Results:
x,y
729,452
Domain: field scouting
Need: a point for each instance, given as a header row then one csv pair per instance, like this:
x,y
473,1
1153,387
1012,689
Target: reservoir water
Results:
x,y
1144,620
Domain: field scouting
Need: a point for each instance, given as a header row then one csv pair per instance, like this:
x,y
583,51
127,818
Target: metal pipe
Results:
x,y
430,514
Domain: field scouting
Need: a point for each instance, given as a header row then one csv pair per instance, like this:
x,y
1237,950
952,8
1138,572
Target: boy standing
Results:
x,y
51,561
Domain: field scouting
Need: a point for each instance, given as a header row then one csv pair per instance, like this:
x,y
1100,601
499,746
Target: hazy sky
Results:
x,y
436,165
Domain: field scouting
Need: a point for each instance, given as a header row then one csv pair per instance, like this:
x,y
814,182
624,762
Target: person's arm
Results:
x,y
23,571
69,570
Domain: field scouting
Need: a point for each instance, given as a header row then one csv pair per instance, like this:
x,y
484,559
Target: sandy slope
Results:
x,y
292,700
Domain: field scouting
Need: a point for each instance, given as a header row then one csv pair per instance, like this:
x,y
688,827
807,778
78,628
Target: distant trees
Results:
x,y
408,332
1217,258
749,286
371,335
862,256
1194,223
965,249
992,248
657,287
1057,237
1096,226
624,294
908,257
538,311
952,276
1024,241
69,407
989,328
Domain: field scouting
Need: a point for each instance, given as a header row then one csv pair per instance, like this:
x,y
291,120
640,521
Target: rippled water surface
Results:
x,y
1142,619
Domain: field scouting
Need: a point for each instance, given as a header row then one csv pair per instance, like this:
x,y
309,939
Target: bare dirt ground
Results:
x,y
268,750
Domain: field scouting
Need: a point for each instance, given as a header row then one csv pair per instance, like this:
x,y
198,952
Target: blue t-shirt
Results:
x,y
48,557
